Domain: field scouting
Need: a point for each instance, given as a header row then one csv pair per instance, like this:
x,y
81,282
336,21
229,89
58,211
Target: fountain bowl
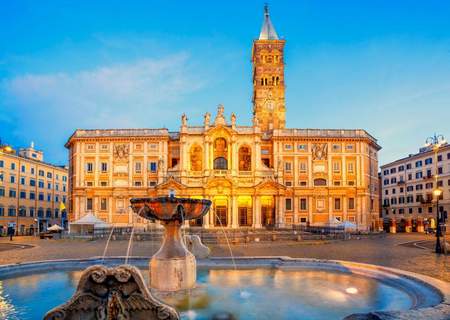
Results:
x,y
170,208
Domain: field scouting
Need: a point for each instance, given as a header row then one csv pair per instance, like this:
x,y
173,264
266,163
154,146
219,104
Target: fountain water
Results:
x,y
173,267
107,243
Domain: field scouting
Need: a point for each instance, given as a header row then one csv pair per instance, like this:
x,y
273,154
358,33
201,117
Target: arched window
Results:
x,y
277,80
48,213
245,159
196,158
320,182
262,81
220,163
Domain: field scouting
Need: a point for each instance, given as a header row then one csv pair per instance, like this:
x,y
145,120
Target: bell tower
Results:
x,y
268,77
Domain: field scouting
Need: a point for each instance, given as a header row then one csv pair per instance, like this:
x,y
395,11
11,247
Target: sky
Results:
x,y
383,66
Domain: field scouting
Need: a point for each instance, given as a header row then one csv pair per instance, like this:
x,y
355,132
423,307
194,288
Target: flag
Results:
x,y
62,207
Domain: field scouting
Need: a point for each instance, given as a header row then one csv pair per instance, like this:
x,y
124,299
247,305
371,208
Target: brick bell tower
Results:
x,y
268,77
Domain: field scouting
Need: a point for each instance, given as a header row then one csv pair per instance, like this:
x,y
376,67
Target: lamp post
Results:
x,y
437,193
435,142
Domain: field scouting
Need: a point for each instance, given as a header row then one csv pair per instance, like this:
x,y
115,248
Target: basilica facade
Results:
x,y
258,175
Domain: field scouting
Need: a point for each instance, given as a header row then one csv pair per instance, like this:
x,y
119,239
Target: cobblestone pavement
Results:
x,y
387,251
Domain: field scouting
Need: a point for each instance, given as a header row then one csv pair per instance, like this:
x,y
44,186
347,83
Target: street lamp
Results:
x,y
435,142
437,193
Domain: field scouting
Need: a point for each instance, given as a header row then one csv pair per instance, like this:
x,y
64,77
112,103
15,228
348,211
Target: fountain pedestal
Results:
x,y
173,267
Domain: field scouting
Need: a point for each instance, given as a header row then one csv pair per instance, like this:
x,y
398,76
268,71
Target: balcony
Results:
x,y
401,182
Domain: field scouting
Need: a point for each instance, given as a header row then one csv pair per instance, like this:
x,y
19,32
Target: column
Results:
x,y
257,164
110,208
344,208
330,208
257,212
310,211
206,216
280,211
234,211
344,171
310,171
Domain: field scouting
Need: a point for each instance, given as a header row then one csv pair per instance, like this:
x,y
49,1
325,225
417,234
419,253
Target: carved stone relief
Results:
x,y
319,151
121,152
112,293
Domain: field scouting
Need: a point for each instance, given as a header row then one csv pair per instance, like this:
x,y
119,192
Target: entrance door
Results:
x,y
268,216
245,216
221,216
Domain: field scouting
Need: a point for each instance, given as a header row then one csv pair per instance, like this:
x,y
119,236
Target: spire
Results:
x,y
267,31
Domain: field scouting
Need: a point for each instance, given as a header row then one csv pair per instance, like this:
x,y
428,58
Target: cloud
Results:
x,y
143,93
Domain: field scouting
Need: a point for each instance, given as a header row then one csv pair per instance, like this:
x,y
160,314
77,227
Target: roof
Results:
x,y
267,31
91,220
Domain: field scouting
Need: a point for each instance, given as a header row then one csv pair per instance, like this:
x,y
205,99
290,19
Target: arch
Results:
x,y
196,157
320,182
245,158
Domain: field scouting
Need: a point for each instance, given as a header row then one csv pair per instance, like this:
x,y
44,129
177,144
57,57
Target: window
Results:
x,y
49,197
288,203
419,186
418,164
440,183
303,167
220,163
13,166
336,183
153,167
2,191
409,176
303,183
137,167
41,197
2,211
12,193
12,179
49,185
48,213
32,182
31,212
23,195
22,212
103,204
57,176
350,167
440,170
337,203
41,173
288,166
320,182
89,167
408,166
56,213
401,168
2,163
419,174
138,183
385,172
103,183
88,203
40,213
56,187
351,203
288,147
41,184
152,183
439,157
64,188
32,196
393,170
419,210
302,147
303,204
288,183
11,212
22,181
336,166
428,161
56,199
104,167
245,159
49,175
336,147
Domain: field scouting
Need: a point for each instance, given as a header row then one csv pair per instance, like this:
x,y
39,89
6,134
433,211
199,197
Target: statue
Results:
x,y
184,120
207,119
160,164
220,118
112,293
233,119
255,121
121,152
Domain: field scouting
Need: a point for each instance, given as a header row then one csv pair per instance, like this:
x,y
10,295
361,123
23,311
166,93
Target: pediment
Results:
x,y
171,183
270,185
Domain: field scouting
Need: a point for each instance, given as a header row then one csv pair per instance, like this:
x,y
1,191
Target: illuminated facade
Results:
x,y
31,191
259,175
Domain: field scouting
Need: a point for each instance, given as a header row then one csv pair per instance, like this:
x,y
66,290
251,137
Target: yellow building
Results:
x,y
30,191
258,175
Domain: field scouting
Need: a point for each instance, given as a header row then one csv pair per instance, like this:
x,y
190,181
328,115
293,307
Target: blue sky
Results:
x,y
379,65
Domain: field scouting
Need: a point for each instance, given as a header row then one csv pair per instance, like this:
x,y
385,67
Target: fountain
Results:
x,y
173,267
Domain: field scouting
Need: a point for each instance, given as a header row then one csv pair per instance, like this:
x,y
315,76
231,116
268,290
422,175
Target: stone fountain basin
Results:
x,y
430,297
170,208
